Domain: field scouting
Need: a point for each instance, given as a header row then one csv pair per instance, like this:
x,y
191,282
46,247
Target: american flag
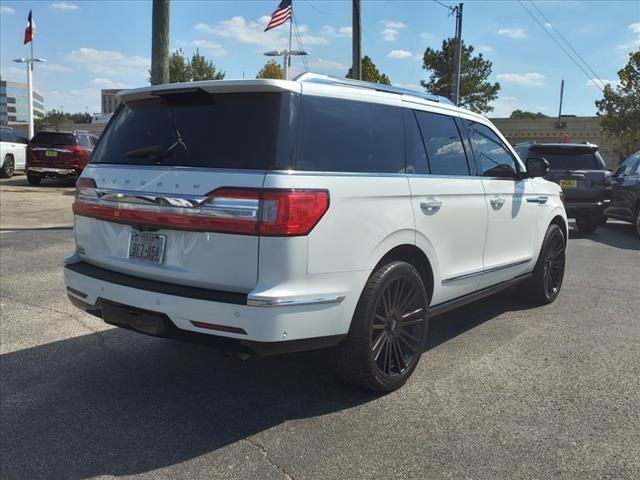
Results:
x,y
280,15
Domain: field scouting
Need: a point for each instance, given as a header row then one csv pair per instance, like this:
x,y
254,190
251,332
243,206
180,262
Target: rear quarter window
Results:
x,y
350,136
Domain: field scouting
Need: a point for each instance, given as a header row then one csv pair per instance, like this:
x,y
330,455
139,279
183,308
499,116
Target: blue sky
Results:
x,y
107,44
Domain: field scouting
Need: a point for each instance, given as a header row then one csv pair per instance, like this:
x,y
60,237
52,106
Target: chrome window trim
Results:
x,y
482,272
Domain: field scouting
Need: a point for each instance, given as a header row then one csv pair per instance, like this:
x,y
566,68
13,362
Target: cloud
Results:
x,y
6,10
503,106
107,83
399,54
14,73
340,32
391,30
596,83
517,33
410,86
54,67
322,64
635,42
485,48
426,36
252,32
209,47
64,6
109,62
635,27
532,79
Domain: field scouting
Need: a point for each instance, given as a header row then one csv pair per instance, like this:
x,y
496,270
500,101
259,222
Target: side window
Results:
x,y
7,135
494,158
626,167
350,136
444,146
93,140
416,154
83,141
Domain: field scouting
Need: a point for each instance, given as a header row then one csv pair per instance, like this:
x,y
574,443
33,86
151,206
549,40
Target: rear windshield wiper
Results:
x,y
153,152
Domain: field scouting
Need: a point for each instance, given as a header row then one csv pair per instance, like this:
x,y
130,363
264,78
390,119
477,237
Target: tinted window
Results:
x,y
83,141
349,136
444,147
570,159
493,157
627,167
54,138
230,130
416,154
93,139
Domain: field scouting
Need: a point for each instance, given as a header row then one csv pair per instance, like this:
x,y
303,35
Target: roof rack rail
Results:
x,y
310,77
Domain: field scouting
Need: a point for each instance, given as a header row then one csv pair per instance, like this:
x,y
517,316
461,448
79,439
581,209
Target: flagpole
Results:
x,y
30,129
287,55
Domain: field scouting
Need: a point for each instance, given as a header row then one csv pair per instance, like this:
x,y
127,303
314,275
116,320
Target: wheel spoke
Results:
x,y
407,316
409,336
396,296
411,348
408,299
387,358
385,302
411,323
398,357
381,341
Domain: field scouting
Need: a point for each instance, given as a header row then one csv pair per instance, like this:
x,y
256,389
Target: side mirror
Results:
x,y
537,167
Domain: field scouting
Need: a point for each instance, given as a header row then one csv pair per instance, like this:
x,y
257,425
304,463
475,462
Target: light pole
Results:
x,y
29,62
285,54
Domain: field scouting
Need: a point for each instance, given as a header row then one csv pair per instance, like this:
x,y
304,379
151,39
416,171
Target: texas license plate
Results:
x,y
147,247
51,153
568,183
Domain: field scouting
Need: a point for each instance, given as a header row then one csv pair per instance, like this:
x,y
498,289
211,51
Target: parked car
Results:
x,y
583,175
12,151
272,216
58,154
625,192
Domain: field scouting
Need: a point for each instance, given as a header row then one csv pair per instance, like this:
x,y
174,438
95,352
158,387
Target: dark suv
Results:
x,y
58,154
583,175
625,192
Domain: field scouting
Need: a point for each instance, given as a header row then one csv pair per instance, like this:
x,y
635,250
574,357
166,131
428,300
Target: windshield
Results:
x,y
196,129
54,138
572,160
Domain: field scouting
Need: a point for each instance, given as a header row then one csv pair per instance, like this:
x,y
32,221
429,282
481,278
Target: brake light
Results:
x,y
226,210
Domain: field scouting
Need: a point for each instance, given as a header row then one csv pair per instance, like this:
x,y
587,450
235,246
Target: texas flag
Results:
x,y
30,29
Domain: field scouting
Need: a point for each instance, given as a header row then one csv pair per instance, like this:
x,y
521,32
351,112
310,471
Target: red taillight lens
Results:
x,y
292,212
86,187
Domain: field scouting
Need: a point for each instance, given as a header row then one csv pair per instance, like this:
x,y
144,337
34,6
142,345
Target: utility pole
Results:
x,y
561,96
458,54
356,67
160,42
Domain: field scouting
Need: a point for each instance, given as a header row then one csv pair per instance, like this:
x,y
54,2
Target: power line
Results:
x,y
559,44
448,7
568,44
299,40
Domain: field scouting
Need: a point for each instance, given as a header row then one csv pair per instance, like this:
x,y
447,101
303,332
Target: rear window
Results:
x,y
570,159
195,129
350,136
54,138
444,144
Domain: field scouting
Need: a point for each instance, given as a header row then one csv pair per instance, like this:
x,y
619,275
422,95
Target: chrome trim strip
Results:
x,y
541,200
482,272
170,168
151,198
59,171
292,302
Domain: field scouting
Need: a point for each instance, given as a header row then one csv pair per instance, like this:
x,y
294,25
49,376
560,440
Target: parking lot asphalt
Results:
x,y
503,391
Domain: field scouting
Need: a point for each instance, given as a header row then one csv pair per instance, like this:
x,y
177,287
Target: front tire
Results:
x,y
8,167
637,221
588,223
388,330
545,284
33,179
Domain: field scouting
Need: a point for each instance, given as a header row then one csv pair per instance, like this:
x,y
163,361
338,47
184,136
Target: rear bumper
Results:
x,y
53,172
585,208
228,320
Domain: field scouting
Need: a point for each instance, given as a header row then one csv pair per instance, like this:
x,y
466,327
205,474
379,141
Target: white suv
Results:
x,y
274,216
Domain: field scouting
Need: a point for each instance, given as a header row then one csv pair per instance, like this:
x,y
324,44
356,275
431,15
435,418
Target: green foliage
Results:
x,y
620,108
522,114
272,69
55,118
475,91
198,68
179,68
370,73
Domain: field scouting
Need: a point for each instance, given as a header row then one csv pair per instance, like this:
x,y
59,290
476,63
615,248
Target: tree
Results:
x,y
475,91
271,69
522,114
55,118
620,108
198,68
370,73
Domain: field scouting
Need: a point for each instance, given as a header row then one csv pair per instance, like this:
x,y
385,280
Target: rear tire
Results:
x,y
545,284
588,223
388,330
33,179
637,222
8,167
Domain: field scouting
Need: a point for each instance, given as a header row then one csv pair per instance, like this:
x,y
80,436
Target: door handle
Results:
x,y
540,200
497,202
431,206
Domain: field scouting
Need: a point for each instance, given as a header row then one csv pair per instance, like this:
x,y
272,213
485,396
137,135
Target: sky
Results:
x,y
107,44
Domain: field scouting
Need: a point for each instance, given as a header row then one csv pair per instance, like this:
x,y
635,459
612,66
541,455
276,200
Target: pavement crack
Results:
x,y
265,454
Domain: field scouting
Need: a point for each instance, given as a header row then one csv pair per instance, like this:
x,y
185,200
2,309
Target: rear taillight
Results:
x,y
268,212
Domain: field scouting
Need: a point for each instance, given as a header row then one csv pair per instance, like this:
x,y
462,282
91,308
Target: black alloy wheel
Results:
x,y
8,168
397,327
554,263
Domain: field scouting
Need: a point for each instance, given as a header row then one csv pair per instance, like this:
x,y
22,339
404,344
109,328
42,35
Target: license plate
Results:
x,y
147,247
568,183
51,153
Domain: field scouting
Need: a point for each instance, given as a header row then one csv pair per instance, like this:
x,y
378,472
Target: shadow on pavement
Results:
x,y
613,234
21,181
119,403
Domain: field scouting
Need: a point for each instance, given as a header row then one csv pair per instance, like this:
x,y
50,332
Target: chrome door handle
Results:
x,y
497,202
431,206
540,200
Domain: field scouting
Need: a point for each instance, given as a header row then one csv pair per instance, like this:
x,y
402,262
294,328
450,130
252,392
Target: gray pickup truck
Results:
x,y
583,175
